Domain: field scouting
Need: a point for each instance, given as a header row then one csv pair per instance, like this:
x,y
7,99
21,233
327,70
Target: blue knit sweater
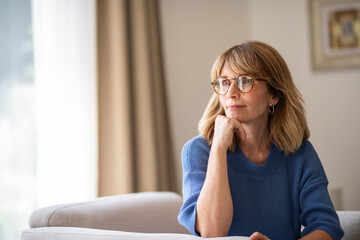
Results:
x,y
274,199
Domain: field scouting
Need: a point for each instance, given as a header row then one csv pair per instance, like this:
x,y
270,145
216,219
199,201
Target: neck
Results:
x,y
256,146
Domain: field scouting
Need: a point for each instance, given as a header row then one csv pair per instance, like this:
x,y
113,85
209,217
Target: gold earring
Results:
x,y
272,110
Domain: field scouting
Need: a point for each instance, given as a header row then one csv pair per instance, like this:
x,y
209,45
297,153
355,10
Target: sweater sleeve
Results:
x,y
317,211
194,162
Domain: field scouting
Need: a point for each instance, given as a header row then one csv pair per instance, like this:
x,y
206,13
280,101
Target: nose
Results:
x,y
233,92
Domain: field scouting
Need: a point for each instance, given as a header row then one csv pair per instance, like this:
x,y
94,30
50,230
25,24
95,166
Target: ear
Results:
x,y
274,100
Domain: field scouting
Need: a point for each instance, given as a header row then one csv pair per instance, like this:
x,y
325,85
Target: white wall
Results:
x,y
195,32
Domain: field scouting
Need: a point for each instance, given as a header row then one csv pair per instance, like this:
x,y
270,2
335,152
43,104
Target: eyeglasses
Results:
x,y
243,83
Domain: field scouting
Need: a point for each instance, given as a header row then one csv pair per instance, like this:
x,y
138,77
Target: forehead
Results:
x,y
230,71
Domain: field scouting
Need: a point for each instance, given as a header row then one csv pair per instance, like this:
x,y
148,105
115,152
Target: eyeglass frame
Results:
x,y
253,79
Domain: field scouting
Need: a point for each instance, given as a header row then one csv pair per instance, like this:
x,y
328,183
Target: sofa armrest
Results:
x,y
149,212
350,222
70,233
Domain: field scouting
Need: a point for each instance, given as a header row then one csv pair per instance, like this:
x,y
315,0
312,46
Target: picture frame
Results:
x,y
335,33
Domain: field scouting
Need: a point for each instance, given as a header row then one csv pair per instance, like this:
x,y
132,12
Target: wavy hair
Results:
x,y
288,126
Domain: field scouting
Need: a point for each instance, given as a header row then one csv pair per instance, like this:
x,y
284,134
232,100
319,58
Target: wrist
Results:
x,y
219,148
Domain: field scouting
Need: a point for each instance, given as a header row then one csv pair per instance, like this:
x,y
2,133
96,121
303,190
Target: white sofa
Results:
x,y
137,216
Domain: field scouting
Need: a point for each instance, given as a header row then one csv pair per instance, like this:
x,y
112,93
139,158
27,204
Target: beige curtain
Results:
x,y
135,147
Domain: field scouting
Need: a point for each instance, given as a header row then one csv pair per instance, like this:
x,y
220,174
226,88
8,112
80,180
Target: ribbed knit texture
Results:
x,y
274,199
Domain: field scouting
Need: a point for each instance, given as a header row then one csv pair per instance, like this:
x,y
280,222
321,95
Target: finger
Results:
x,y
258,236
242,134
223,131
240,131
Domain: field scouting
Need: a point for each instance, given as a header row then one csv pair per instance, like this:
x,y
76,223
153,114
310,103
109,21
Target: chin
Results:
x,y
237,117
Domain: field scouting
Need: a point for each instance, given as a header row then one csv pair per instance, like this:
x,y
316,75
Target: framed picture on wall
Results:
x,y
335,26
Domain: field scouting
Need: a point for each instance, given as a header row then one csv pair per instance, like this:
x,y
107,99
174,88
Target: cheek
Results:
x,y
222,101
259,103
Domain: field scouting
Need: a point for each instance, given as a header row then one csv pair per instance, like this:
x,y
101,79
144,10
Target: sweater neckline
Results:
x,y
244,166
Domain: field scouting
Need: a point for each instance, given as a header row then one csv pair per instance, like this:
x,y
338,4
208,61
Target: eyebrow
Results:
x,y
227,77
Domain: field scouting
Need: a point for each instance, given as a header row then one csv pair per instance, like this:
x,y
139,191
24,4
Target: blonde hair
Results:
x,y
288,126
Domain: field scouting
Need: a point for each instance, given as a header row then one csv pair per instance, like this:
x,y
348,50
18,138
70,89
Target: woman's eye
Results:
x,y
247,80
224,82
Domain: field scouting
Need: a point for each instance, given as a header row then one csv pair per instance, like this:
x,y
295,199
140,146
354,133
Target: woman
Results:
x,y
252,171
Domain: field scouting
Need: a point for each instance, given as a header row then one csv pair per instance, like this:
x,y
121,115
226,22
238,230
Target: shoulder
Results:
x,y
305,158
306,148
195,146
196,143
308,163
305,153
195,153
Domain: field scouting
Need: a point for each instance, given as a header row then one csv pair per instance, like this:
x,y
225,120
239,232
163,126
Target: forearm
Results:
x,y
317,235
214,206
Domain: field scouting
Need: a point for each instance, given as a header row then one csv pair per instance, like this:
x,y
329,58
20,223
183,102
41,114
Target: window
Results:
x,y
17,118
48,107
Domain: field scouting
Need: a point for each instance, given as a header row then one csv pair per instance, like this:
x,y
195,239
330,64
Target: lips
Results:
x,y
234,107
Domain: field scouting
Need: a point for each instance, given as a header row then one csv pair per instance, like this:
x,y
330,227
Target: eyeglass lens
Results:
x,y
222,85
